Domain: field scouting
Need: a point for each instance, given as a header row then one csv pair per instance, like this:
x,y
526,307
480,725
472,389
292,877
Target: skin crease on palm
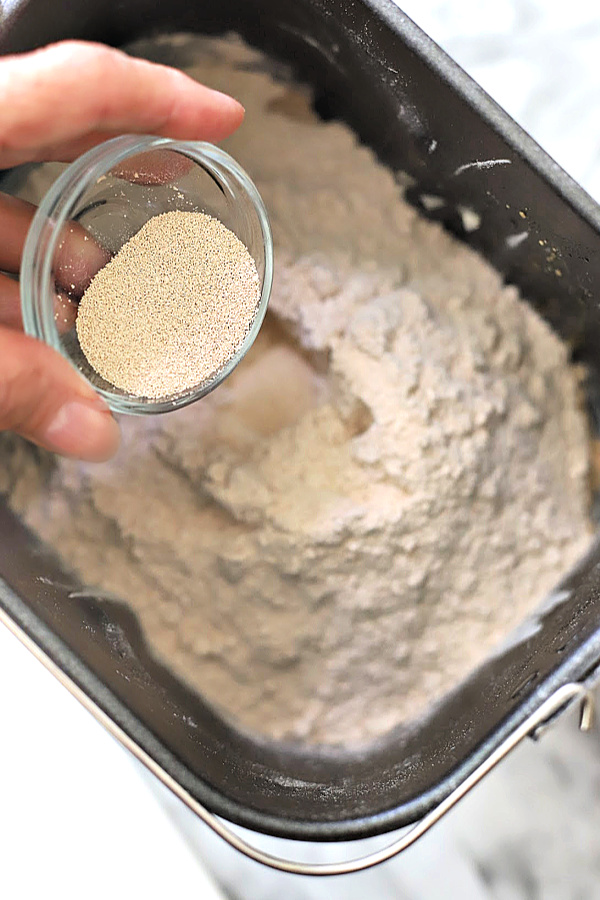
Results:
x,y
41,396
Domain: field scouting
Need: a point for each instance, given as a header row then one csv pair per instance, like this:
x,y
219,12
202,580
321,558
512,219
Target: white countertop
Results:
x,y
77,819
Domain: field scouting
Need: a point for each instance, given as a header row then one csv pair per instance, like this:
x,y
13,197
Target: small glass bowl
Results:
x,y
111,192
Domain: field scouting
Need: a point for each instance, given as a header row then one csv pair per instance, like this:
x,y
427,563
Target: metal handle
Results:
x,y
560,699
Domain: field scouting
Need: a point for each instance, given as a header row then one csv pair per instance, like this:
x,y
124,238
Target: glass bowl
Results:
x,y
98,203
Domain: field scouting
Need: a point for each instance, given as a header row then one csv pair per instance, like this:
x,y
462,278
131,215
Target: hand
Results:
x,y
56,103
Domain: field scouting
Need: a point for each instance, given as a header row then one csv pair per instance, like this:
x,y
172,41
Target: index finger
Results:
x,y
54,97
154,167
78,255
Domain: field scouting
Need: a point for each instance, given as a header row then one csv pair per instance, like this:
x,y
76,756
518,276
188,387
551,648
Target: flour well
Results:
x,y
387,485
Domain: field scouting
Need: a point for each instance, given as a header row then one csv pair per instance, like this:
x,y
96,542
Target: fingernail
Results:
x,y
228,97
89,397
83,430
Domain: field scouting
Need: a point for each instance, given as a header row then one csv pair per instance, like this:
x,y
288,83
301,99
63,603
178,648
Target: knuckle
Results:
x,y
95,60
75,50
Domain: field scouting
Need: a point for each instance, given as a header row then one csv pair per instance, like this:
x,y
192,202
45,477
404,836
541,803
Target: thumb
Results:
x,y
43,399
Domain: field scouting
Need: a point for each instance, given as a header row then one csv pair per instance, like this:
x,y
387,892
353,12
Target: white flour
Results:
x,y
392,479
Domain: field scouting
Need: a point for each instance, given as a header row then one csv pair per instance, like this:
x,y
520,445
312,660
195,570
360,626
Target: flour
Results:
x,y
386,486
